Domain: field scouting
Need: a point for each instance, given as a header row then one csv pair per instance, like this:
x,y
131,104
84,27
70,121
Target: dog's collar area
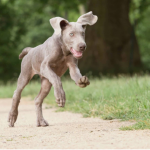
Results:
x,y
65,52
63,47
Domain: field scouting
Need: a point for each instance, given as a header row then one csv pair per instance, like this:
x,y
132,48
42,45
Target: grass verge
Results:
x,y
123,98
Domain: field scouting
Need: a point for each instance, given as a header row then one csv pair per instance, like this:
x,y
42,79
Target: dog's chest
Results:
x,y
60,66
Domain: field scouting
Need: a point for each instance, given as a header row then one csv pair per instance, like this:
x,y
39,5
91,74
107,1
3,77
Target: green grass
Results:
x,y
123,98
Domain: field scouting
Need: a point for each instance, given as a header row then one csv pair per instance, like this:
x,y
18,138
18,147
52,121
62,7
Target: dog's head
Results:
x,y
73,33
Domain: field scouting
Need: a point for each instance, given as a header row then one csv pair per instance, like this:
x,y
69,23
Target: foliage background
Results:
x,y
26,23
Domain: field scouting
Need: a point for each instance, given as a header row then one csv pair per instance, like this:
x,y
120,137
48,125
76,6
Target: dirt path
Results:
x,y
66,130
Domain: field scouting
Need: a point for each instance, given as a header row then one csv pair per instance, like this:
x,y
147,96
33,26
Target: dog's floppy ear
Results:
x,y
58,23
87,19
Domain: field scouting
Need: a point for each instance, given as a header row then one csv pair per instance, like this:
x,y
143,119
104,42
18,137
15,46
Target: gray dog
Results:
x,y
51,60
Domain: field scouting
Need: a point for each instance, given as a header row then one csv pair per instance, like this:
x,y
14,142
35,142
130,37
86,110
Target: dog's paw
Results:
x,y
83,82
12,118
60,98
42,123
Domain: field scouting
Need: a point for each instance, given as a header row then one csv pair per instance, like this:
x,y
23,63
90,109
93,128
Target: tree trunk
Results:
x,y
111,43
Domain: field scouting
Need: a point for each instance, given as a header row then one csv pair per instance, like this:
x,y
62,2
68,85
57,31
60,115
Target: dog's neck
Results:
x,y
63,46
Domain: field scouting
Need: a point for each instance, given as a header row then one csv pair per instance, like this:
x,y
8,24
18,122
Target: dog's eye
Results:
x,y
71,34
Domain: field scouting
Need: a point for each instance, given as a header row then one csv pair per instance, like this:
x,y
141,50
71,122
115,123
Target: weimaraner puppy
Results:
x,y
51,60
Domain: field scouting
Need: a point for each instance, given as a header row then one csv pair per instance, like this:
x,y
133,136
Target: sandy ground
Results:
x,y
66,130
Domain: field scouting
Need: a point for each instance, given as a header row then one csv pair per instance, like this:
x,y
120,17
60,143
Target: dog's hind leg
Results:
x,y
24,78
45,88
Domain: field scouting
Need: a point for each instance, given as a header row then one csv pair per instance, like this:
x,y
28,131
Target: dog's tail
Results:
x,y
24,52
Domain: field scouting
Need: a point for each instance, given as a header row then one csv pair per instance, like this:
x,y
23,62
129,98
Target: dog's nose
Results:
x,y
82,46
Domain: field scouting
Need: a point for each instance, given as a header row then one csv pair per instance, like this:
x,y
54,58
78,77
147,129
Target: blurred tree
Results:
x,y
139,16
112,45
9,37
137,10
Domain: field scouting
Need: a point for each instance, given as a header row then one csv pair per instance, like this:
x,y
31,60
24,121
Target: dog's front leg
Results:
x,y
48,73
81,81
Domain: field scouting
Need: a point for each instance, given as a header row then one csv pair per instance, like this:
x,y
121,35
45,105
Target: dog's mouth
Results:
x,y
75,53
